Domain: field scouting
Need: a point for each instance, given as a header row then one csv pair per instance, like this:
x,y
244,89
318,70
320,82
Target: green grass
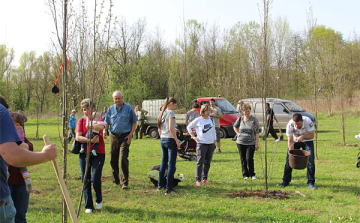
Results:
x,y
336,199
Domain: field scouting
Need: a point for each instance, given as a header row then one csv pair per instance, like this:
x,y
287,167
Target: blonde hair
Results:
x,y
204,108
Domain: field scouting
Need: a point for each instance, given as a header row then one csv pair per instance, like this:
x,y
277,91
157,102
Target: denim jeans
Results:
x,y
93,176
169,154
71,134
7,210
21,201
311,164
247,159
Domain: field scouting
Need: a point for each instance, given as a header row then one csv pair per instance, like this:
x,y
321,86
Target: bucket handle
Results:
x,y
306,146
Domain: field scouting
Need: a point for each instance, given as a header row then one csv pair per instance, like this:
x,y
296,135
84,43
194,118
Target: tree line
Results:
x,y
107,53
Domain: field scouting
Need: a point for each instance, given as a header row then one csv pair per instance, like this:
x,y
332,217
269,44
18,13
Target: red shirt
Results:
x,y
15,175
82,128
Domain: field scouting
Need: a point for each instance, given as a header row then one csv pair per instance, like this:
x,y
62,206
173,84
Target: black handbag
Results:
x,y
76,146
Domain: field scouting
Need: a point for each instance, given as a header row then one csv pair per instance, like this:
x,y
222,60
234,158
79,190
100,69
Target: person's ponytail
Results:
x,y
163,108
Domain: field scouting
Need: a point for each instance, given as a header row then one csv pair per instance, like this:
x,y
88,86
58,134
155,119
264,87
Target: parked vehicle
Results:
x,y
283,110
153,107
229,115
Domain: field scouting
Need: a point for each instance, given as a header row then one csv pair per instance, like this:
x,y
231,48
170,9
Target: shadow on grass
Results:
x,y
327,131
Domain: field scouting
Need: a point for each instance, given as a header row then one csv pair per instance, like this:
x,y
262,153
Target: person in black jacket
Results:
x,y
270,117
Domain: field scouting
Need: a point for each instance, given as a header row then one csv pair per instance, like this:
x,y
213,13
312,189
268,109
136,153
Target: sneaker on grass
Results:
x,y
205,181
167,192
283,184
98,206
311,186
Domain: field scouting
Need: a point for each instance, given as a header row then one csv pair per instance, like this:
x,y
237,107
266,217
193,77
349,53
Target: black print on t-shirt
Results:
x,y
207,127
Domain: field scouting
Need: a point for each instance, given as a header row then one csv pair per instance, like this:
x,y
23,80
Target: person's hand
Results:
x,y
95,139
256,147
299,139
196,139
129,137
50,151
177,144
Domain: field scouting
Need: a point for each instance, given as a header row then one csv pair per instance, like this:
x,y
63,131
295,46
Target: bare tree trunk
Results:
x,y
64,117
265,70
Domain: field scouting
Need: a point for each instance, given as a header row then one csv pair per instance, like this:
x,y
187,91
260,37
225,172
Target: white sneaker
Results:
x,y
88,210
254,177
98,206
245,178
277,140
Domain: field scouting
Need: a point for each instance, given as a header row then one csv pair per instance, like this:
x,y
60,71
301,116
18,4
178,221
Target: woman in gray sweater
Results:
x,y
246,128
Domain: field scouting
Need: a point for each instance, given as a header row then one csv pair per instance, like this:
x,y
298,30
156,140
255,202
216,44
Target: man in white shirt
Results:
x,y
300,132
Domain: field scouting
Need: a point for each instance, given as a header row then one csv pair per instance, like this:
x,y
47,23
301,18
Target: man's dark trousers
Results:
x,y
119,151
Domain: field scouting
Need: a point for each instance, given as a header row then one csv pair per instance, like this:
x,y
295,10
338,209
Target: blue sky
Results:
x,y
27,25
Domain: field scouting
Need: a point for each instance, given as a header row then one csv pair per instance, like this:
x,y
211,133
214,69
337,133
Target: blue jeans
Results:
x,y
310,166
93,176
169,154
21,201
7,210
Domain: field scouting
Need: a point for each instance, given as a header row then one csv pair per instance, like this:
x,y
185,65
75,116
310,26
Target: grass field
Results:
x,y
336,199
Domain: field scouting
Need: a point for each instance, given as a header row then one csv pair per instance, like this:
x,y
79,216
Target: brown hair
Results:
x,y
87,103
204,108
246,106
297,117
195,106
4,102
163,108
17,118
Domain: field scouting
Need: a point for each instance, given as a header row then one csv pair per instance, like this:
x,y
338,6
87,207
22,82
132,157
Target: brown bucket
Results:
x,y
298,159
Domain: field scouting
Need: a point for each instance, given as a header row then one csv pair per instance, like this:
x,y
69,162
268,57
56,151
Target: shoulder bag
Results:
x,y
76,146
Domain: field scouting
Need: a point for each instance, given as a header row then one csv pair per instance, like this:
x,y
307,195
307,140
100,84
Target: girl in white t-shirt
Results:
x,y
206,139
169,144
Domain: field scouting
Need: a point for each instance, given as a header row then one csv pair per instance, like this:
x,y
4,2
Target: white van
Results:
x,y
283,110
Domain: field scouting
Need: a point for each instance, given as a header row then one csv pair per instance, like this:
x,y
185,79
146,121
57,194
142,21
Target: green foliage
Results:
x,y
203,61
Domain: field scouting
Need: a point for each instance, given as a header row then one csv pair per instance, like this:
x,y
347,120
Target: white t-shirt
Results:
x,y
307,126
205,130
94,122
165,131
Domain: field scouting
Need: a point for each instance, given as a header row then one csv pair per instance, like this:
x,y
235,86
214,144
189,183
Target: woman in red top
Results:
x,y
96,163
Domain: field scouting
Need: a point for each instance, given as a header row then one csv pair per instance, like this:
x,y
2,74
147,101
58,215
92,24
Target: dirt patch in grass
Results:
x,y
314,212
154,155
259,193
347,145
35,190
145,192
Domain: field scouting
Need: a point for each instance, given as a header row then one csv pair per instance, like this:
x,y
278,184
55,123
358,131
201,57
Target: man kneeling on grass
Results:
x,y
300,132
